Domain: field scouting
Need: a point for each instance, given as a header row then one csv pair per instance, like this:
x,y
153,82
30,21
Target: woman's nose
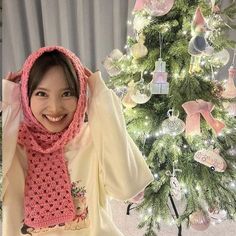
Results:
x,y
55,105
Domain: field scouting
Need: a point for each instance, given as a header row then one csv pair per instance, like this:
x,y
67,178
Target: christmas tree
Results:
x,y
180,116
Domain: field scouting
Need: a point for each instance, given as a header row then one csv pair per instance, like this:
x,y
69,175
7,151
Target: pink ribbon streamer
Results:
x,y
196,108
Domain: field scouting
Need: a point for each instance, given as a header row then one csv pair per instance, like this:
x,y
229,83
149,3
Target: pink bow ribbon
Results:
x,y
196,108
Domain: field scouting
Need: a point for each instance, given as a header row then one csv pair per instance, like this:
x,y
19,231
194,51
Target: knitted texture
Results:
x,y
48,200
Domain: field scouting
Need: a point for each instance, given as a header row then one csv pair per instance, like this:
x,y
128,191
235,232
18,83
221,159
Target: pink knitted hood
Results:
x,y
48,199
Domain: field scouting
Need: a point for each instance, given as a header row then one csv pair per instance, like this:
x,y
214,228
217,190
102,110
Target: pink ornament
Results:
x,y
158,7
139,5
230,90
211,158
196,108
199,220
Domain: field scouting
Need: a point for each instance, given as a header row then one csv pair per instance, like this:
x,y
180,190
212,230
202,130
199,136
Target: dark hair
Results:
x,y
45,62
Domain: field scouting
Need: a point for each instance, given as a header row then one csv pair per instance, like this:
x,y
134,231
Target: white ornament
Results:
x,y
141,92
139,50
176,190
173,125
116,55
111,69
220,58
217,215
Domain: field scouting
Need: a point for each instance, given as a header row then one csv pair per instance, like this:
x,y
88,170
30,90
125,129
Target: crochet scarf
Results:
x,y
48,200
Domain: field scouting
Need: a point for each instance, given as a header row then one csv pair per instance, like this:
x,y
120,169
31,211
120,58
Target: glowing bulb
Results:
x,y
232,185
150,210
203,63
185,146
155,176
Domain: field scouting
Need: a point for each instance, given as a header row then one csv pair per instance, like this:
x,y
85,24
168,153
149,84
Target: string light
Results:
x,y
129,22
156,176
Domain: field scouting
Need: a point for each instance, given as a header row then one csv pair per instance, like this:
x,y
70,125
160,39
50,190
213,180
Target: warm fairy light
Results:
x,y
146,123
155,176
198,188
203,63
185,146
126,46
129,22
149,210
145,72
184,32
185,190
232,184
146,117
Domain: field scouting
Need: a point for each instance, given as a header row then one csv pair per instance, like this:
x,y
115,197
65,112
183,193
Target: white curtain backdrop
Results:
x,y
90,28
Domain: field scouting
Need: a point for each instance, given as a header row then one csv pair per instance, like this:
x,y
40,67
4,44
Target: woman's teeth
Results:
x,y
54,119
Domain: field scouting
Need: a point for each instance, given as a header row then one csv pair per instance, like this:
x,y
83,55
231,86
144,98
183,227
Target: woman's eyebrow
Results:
x,y
44,89
40,88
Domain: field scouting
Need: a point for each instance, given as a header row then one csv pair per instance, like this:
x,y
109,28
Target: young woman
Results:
x,y
65,153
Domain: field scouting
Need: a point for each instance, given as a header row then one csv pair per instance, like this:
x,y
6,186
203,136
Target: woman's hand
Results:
x,y
14,76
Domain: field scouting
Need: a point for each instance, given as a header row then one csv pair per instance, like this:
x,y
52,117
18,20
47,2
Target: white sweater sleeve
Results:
x,y
11,116
124,170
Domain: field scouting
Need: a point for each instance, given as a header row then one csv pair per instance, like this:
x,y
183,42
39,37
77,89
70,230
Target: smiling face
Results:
x,y
53,103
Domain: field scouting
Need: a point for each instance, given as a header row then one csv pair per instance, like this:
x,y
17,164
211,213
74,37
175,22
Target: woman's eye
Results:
x,y
67,94
41,94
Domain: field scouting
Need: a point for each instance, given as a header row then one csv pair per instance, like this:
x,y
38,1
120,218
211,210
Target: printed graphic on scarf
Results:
x,y
81,219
